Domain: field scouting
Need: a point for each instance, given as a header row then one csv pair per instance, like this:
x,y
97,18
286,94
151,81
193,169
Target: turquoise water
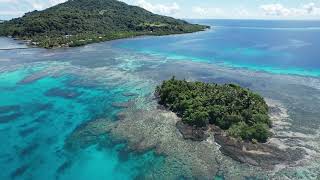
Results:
x,y
281,47
34,124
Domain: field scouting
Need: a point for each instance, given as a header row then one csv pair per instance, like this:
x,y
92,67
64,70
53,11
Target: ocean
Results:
x,y
286,47
89,112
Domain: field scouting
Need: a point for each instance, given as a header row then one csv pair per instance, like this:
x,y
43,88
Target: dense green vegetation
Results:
x,y
79,22
242,113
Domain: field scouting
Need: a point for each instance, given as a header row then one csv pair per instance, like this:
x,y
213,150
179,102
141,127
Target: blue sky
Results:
x,y
232,9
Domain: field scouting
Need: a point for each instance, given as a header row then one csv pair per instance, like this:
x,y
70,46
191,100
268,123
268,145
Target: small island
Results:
x,y
239,112
81,22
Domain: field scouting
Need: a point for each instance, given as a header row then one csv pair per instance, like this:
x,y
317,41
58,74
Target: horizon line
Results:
x,y
240,19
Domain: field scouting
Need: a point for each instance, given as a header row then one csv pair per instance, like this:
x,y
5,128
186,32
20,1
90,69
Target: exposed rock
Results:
x,y
263,155
275,110
192,132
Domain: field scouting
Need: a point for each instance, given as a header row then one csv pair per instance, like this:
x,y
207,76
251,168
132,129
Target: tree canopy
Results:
x,y
78,22
239,111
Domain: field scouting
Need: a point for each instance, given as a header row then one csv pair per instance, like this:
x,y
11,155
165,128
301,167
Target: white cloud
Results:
x,y
38,6
216,12
11,13
312,9
7,1
44,4
275,10
242,12
200,10
280,10
208,11
16,8
164,9
309,7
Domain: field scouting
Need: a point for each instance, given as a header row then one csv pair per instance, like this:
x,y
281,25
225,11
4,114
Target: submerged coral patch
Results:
x,y
64,93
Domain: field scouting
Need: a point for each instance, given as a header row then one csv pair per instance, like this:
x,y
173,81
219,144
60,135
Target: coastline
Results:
x,y
78,42
98,39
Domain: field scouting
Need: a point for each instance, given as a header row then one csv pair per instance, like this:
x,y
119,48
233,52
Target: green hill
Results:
x,y
79,22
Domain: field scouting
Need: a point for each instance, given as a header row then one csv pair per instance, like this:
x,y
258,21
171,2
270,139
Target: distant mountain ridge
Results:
x,y
79,22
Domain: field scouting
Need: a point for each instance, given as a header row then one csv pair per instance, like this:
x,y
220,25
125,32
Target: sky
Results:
x,y
194,9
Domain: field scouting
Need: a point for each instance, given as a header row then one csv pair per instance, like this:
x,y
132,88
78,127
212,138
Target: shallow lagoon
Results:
x,y
46,95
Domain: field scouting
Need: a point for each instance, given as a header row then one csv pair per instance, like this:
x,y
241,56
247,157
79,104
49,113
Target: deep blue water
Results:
x,y
286,47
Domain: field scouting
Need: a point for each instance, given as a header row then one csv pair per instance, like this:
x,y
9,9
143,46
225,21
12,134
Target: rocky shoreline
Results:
x,y
262,155
265,155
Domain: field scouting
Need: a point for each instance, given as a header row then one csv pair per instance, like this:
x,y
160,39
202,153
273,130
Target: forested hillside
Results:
x,y
79,22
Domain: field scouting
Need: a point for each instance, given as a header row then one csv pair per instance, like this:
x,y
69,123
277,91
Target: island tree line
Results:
x,y
239,111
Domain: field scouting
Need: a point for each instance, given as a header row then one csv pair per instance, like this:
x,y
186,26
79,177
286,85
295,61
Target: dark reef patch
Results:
x,y
28,131
33,78
64,93
87,134
63,167
123,155
50,140
11,117
128,94
41,119
19,171
28,150
6,109
44,107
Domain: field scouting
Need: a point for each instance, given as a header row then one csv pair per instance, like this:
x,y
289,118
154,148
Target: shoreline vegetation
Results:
x,y
80,22
239,112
